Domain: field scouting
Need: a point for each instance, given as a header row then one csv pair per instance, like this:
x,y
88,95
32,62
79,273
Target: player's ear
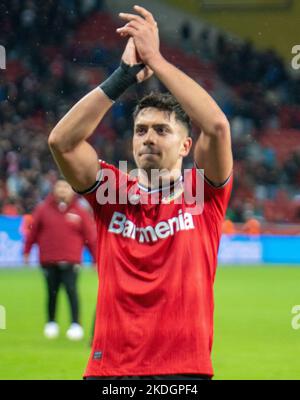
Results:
x,y
186,146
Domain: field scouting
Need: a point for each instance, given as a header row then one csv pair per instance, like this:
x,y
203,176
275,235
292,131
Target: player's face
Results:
x,y
159,140
63,192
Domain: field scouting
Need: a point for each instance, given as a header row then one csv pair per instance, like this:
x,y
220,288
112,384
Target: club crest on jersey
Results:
x,y
120,225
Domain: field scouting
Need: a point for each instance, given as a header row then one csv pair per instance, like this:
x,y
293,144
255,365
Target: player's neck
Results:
x,y
150,182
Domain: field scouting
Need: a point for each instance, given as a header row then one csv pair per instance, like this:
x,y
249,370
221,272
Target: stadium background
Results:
x,y
57,51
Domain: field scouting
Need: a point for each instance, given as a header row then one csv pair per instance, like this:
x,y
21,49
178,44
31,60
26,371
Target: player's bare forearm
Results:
x,y
80,122
75,157
197,103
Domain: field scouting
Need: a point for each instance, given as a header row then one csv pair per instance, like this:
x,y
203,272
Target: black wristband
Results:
x,y
120,80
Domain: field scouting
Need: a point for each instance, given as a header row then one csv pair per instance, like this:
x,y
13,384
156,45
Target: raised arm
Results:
x,y
212,150
75,157
213,147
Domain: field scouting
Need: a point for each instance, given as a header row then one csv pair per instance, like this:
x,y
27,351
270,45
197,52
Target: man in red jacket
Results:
x,y
61,228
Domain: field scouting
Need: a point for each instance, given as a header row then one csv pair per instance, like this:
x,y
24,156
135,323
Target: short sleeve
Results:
x,y
217,197
107,186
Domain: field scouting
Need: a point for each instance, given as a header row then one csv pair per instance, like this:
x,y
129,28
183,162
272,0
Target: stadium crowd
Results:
x,y
48,70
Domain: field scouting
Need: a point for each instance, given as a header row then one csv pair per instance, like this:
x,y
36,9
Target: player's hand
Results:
x,y
131,57
143,29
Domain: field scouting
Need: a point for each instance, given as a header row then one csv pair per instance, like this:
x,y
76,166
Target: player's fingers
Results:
x,y
134,24
127,30
146,14
123,34
132,17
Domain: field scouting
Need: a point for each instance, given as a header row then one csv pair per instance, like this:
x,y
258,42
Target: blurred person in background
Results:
x,y
11,207
61,228
228,227
252,226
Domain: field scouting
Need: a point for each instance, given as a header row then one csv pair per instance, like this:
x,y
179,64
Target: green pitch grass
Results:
x,y
254,338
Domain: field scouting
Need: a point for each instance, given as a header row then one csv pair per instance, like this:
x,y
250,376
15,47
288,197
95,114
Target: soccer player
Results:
x,y
61,228
157,259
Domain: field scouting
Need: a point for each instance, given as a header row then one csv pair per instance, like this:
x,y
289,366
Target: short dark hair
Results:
x,y
164,102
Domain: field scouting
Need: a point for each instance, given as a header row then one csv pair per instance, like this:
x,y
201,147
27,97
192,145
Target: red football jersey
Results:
x,y
156,265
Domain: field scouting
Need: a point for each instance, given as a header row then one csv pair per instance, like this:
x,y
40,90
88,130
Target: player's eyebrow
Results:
x,y
162,125
141,126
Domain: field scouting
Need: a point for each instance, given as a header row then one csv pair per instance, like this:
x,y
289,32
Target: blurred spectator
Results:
x,y
10,207
60,228
252,227
228,227
186,36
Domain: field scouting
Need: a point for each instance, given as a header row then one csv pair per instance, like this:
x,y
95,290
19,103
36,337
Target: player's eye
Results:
x,y
161,130
140,130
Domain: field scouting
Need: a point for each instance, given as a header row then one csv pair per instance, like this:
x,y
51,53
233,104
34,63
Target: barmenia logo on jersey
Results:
x,y
120,225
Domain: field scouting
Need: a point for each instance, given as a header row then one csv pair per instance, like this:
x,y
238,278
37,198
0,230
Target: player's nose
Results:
x,y
149,138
